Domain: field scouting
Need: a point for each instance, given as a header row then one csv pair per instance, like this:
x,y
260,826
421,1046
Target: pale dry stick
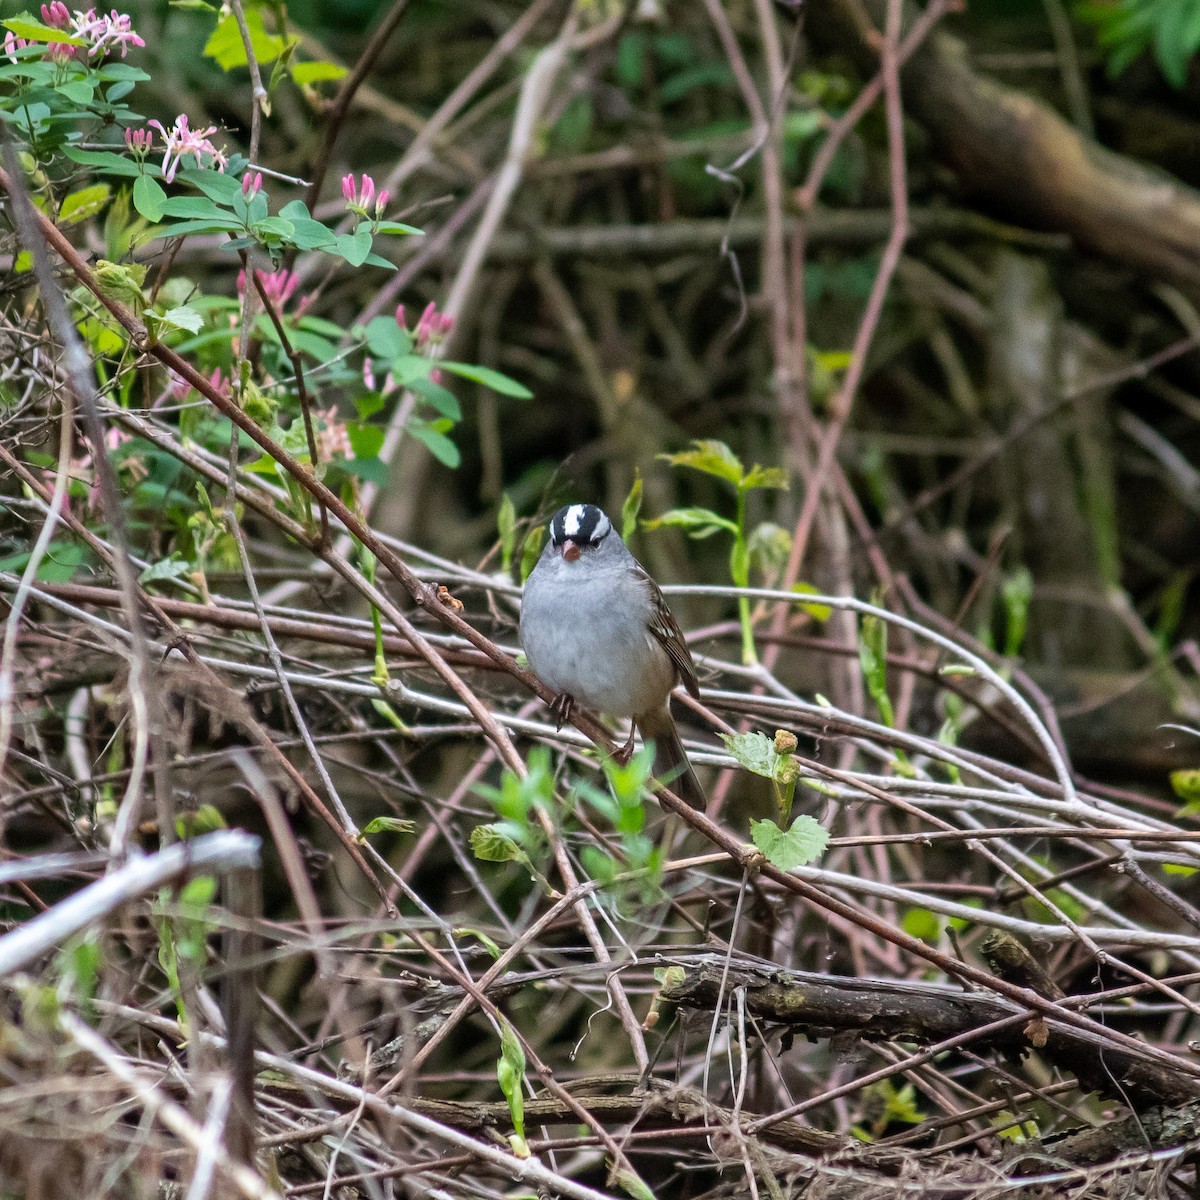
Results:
x,y
225,850
145,707
167,1111
210,1146
16,612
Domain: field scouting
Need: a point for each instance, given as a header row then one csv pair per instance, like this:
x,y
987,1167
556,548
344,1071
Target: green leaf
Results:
x,y
531,551
764,477
802,843
397,228
104,160
225,44
353,247
510,1073
442,399
495,380
489,844
207,818
506,524
86,202
389,825
318,72
1185,783
409,368
632,1184
437,443
385,339
755,752
631,508
921,923
872,655
219,187
182,317
184,228
149,198
822,612
369,470
197,208
1017,593
710,456
365,440
78,91
33,31
165,569
310,235
700,522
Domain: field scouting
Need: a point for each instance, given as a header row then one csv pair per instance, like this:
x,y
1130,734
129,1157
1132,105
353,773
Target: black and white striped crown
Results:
x,y
583,524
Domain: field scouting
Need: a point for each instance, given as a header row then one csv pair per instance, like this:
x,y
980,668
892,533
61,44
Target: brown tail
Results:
x,y
671,764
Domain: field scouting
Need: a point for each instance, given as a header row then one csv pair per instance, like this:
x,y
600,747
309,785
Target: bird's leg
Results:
x,y
561,707
625,753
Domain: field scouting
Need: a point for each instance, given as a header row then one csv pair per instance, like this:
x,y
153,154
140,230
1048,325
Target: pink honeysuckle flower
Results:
x,y
181,141
279,287
360,196
139,142
105,32
56,15
12,44
433,326
251,184
389,380
400,316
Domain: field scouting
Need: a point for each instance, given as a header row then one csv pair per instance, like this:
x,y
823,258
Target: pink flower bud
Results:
x,y
381,202
400,316
368,191
348,188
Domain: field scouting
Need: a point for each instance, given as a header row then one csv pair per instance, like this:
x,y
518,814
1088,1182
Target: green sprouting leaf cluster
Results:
x,y
716,459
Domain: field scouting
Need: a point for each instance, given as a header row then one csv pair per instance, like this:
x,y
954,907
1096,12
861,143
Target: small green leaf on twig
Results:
x,y
510,1072
787,849
389,825
631,508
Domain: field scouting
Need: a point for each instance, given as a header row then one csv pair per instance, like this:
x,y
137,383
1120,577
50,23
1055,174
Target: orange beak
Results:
x,y
571,551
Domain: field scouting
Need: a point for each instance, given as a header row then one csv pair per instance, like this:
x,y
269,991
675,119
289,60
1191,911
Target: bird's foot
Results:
x,y
561,707
624,753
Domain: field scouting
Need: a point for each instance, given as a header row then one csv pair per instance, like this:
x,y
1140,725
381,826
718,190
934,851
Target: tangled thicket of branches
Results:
x,y
303,891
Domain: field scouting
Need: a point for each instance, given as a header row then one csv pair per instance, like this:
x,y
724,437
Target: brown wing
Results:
x,y
666,629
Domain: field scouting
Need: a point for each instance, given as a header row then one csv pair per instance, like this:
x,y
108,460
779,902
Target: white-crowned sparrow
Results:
x,y
596,629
